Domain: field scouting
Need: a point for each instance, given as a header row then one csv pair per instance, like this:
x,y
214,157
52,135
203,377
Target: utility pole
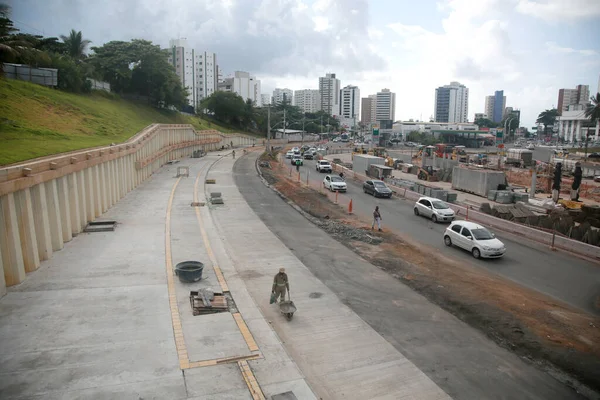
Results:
x,y
302,144
269,128
284,123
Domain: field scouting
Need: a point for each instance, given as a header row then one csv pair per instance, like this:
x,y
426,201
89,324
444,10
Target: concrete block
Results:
x,y
477,181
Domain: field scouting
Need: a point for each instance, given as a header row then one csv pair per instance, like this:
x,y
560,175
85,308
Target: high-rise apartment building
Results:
x,y
368,110
308,100
385,109
197,71
567,97
245,85
349,105
329,92
280,94
451,103
495,105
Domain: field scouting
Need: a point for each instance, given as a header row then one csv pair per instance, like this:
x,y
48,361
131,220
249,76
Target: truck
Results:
x,y
361,162
519,157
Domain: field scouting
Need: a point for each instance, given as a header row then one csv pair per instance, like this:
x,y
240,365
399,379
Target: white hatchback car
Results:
x,y
289,154
474,238
435,209
334,183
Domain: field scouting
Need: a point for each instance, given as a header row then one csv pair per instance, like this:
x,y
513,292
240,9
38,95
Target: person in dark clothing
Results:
x,y
376,219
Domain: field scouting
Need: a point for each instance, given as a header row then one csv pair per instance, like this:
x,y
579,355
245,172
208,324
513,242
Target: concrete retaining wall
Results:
x,y
46,201
545,238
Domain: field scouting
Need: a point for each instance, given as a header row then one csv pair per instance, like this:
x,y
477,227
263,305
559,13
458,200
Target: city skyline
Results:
x,y
485,45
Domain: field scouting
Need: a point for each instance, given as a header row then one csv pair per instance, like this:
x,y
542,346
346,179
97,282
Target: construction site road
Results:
x,y
569,279
459,359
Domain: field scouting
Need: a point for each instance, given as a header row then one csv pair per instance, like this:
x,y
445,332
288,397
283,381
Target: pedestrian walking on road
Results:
x,y
280,285
376,219
233,153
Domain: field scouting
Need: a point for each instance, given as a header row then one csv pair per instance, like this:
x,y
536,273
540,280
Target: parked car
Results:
x,y
377,188
296,158
334,183
323,166
594,155
289,154
474,238
434,208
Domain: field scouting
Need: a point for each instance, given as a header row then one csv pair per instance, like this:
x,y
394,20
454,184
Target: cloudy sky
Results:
x,y
528,48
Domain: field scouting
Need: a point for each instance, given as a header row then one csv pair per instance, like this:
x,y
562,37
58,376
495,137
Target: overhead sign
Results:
x,y
375,131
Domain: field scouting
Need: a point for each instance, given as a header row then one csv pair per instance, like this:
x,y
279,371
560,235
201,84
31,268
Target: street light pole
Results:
x,y
269,128
302,143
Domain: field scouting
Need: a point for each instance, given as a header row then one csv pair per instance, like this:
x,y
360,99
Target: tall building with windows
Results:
x,y
280,94
245,85
385,109
266,99
495,105
329,93
308,100
451,103
568,97
368,110
349,106
198,71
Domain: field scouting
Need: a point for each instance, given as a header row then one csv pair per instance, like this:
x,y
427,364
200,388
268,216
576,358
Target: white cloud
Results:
x,y
555,48
560,10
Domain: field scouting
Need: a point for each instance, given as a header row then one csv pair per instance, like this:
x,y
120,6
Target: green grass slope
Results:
x,y
36,121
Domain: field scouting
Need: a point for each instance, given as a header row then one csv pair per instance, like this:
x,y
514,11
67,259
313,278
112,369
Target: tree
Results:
x,y
226,107
76,45
139,67
11,47
547,118
485,123
592,112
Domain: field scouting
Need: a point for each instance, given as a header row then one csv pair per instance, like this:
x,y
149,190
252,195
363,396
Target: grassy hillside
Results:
x,y
36,121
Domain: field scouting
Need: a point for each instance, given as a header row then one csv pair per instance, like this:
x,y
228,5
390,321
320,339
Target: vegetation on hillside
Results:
x,y
37,121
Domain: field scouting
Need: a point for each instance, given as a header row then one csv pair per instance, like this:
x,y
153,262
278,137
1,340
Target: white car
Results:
x,y
323,166
530,146
289,154
296,149
435,209
334,183
474,238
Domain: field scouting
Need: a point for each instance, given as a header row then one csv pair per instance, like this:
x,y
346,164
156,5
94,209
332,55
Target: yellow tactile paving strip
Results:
x,y
253,386
245,331
175,319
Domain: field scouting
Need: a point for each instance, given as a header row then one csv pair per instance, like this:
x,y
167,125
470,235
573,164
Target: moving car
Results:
x,y
433,208
474,238
308,155
296,158
334,183
377,188
594,155
530,146
324,166
289,154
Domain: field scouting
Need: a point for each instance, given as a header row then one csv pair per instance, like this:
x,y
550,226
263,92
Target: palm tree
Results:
x,y
76,45
547,118
593,113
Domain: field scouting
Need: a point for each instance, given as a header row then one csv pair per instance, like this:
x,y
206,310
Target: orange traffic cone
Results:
x,y
350,207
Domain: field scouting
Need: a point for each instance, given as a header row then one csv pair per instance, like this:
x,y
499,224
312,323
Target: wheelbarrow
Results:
x,y
287,308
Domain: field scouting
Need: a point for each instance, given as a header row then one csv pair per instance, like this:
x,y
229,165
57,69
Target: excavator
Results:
x,y
459,153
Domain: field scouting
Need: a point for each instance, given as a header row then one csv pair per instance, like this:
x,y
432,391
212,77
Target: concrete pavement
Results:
x,y
460,359
105,318
527,263
340,355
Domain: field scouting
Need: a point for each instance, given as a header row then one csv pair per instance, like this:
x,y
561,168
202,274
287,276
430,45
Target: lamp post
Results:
x,y
269,128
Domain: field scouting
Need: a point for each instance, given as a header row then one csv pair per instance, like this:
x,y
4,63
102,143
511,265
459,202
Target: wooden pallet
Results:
x,y
217,305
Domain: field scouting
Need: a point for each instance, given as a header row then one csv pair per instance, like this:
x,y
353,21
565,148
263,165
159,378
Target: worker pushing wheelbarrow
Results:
x,y
281,285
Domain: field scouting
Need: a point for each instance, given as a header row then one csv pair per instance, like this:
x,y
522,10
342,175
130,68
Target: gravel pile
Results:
x,y
347,232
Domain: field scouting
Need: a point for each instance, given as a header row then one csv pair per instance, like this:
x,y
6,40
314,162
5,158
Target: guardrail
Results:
x,y
46,201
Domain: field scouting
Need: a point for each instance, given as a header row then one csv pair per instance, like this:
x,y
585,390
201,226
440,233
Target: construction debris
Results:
x,y
348,232
204,302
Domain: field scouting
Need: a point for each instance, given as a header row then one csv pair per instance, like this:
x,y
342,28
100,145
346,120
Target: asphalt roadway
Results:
x,y
458,358
557,274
